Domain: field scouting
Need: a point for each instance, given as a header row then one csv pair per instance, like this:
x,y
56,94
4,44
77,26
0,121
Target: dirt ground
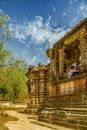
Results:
x,y
23,123
4,119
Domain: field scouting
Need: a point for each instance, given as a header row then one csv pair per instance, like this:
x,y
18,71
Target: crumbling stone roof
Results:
x,y
73,30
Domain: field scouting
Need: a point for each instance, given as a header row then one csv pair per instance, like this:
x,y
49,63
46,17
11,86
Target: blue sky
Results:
x,y
38,24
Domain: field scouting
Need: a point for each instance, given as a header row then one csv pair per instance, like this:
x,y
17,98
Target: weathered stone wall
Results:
x,y
50,82
38,79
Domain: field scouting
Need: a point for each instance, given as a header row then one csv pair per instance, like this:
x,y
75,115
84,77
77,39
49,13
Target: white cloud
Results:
x,y
34,58
27,45
79,13
37,31
71,1
64,13
74,21
54,9
82,10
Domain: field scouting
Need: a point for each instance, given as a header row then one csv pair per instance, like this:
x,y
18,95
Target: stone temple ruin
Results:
x,y
55,97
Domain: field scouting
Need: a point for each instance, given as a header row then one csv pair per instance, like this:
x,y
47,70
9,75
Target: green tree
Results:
x,y
16,82
4,54
5,32
12,70
3,92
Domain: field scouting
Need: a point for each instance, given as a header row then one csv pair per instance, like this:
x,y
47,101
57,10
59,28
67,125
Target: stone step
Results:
x,y
70,125
43,119
52,126
71,120
78,121
77,114
68,101
73,124
80,106
75,109
71,115
50,108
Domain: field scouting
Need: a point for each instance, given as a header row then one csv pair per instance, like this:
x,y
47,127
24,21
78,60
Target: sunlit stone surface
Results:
x,y
55,97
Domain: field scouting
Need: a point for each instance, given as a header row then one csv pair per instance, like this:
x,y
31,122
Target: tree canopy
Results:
x,y
12,70
5,32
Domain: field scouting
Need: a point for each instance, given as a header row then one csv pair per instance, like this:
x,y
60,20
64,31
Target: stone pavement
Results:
x,y
24,123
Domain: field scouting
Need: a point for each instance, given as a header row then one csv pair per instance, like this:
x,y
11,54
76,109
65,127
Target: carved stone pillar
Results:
x,y
52,78
83,49
33,89
41,85
61,60
47,73
50,54
77,55
37,88
56,61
